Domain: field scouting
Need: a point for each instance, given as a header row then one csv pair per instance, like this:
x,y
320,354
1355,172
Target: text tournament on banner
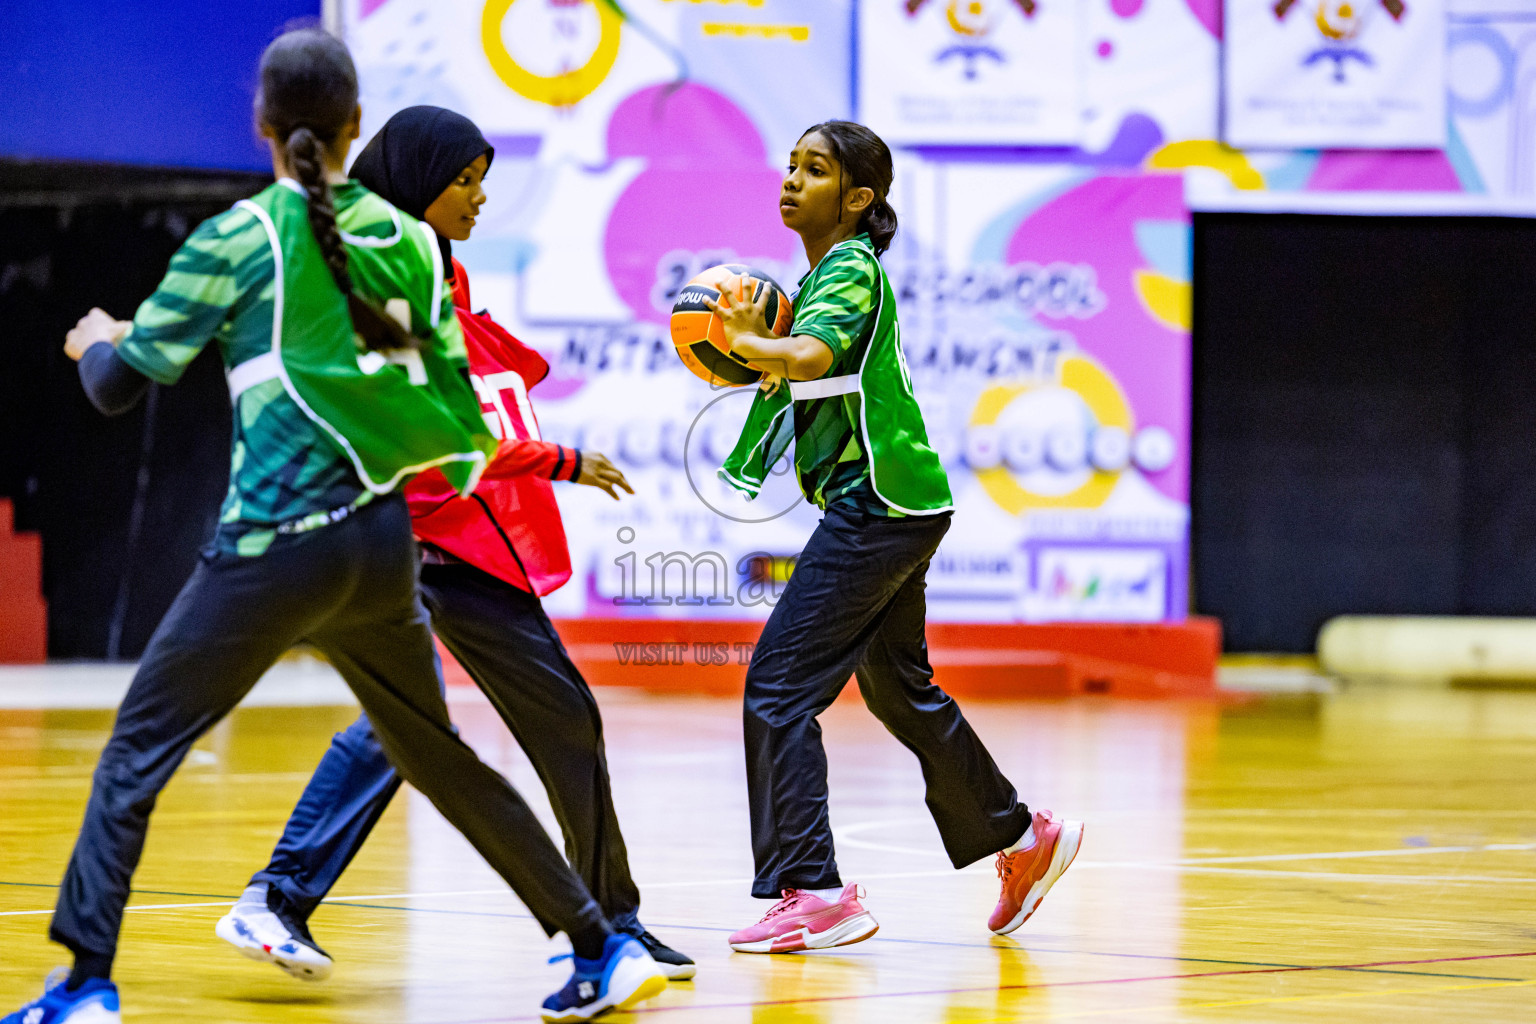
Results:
x,y
1335,73
971,72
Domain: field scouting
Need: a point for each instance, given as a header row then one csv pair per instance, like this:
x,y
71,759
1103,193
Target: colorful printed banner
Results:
x,y
1044,308
1335,73
977,72
1045,321
545,76
1045,318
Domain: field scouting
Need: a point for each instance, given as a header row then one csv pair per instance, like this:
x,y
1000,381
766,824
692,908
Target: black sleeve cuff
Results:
x,y
110,383
576,470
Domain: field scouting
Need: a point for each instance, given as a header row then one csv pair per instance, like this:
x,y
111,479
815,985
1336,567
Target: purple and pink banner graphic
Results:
x,y
1042,271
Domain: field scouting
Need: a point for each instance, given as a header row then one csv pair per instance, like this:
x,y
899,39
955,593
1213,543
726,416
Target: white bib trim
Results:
x,y
265,367
826,387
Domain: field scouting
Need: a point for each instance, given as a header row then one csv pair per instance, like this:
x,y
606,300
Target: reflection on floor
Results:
x,y
1363,855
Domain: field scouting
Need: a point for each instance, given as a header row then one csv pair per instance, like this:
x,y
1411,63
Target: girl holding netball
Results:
x,y
855,603
486,561
314,540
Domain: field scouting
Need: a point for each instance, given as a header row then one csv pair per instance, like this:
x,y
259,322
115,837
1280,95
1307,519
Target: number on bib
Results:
x,y
492,390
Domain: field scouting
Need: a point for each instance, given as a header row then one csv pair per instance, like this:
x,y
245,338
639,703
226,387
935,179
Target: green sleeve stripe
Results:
x,y
155,316
233,221
849,277
192,307
248,249
840,306
216,289
192,258
175,323
229,239
150,361
208,247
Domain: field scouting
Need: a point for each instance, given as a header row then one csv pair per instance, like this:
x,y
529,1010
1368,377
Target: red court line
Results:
x,y
1049,984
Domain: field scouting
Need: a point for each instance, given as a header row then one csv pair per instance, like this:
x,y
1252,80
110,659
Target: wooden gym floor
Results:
x,y
1363,856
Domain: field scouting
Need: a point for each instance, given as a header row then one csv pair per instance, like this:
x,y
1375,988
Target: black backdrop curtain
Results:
x,y
122,504
1364,437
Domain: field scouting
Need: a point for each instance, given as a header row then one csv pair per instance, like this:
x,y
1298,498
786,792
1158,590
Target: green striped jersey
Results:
x,y
220,287
837,305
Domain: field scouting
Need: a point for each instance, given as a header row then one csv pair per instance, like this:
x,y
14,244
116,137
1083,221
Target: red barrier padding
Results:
x,y
992,660
23,613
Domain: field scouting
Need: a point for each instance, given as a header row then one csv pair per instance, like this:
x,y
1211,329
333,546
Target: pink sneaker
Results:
x,y
802,921
1029,874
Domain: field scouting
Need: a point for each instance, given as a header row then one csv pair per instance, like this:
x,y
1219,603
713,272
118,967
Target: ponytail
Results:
x,y
865,161
879,222
308,93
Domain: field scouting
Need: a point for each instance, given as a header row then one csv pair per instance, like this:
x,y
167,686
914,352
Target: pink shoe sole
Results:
x,y
1066,852
845,933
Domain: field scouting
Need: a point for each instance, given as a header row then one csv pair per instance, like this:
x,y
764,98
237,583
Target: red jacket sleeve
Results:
x,y
524,457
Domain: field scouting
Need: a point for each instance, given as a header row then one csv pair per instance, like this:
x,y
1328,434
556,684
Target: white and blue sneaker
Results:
x,y
624,976
95,1002
261,935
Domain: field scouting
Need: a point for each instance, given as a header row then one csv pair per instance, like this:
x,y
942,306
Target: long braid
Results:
x,y
305,159
379,331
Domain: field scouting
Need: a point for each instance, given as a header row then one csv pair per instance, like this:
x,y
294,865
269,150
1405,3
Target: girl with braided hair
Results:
x,y
314,540
486,561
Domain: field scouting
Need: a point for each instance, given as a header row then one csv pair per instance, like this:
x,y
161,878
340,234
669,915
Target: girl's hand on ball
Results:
x,y
598,471
93,327
740,314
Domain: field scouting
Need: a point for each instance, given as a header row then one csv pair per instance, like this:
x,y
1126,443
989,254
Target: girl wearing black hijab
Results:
x,y
428,162
486,561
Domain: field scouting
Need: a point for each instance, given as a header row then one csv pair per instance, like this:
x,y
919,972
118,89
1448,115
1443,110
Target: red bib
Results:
x,y
510,527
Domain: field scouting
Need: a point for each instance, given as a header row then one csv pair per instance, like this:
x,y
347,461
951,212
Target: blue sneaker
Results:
x,y
95,1002
625,975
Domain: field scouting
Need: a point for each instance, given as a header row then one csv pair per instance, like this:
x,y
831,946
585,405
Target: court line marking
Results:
x,y
847,835
973,945
1085,983
1406,851
1199,867
351,902
1320,876
1110,1011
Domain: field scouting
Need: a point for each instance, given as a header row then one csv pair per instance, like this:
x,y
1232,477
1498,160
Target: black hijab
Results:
x,y
416,155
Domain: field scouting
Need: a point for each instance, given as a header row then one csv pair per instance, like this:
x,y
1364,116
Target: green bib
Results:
x,y
904,470
390,419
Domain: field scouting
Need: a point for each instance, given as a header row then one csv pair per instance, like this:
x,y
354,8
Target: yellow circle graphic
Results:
x,y
1104,399
567,88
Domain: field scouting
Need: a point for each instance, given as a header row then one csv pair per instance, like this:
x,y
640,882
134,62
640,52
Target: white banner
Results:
x,y
1347,74
971,72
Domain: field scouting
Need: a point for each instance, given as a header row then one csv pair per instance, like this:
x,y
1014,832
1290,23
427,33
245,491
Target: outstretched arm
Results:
x,y
525,457
112,385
